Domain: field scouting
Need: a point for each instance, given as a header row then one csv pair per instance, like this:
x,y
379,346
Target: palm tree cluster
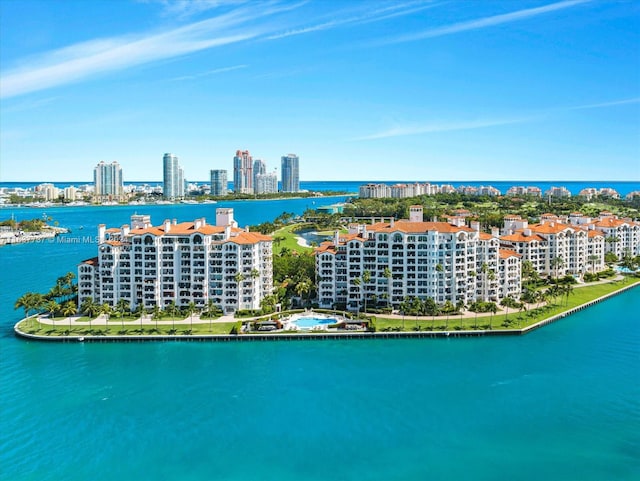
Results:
x,y
60,299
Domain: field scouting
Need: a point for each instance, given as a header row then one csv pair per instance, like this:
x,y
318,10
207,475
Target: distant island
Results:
x,y
30,230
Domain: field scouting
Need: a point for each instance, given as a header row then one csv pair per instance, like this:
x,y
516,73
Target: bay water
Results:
x,y
561,403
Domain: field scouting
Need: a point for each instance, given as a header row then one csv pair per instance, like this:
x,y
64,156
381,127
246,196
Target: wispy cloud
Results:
x,y
83,60
209,72
30,104
414,129
435,127
369,16
188,8
483,22
611,103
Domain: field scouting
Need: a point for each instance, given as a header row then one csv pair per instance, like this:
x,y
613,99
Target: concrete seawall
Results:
x,y
308,336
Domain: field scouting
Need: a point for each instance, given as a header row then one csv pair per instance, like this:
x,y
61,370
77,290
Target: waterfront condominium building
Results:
x,y
266,183
444,261
179,262
290,173
259,168
556,246
219,182
107,180
243,172
173,177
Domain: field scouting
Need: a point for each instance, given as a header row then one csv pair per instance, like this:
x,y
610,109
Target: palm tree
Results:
x,y
69,309
255,274
567,291
121,306
303,287
157,313
210,308
90,308
239,277
26,302
191,308
507,302
405,305
493,308
56,292
172,310
51,306
68,282
357,282
485,271
387,275
592,260
106,310
556,263
366,278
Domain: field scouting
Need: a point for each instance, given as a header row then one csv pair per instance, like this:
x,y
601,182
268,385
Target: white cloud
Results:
x,y
210,72
189,8
612,103
84,60
416,129
484,22
369,16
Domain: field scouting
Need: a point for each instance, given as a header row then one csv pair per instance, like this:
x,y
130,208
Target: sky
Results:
x,y
359,90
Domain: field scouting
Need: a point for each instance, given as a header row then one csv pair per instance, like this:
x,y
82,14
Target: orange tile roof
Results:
x,y
613,222
326,247
112,230
419,227
113,243
506,253
249,238
551,228
485,236
595,233
92,262
520,237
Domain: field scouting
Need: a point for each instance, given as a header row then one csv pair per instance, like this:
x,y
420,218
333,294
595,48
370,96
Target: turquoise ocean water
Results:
x,y
562,403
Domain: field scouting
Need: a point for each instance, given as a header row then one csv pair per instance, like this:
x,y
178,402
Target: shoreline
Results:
x,y
36,205
307,336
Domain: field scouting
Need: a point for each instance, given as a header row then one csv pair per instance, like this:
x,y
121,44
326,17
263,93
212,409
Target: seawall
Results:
x,y
308,336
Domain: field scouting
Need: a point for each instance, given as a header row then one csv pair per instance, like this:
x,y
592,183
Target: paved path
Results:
x,y
146,320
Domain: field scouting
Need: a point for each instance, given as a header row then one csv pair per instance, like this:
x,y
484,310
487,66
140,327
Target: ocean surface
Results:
x,y
623,187
562,403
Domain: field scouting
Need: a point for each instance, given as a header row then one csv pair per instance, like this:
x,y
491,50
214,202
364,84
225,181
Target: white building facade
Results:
x,y
179,262
411,258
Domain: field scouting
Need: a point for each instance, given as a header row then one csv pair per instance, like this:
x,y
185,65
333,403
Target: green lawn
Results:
x,y
514,319
32,326
290,241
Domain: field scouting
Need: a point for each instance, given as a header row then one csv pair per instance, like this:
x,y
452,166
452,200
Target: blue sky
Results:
x,y
376,90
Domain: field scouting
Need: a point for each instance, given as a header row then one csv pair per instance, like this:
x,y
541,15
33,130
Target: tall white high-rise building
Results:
x,y
107,179
173,177
259,168
290,173
243,172
219,182
266,183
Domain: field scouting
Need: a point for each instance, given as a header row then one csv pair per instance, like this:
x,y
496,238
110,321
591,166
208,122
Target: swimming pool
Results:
x,y
309,322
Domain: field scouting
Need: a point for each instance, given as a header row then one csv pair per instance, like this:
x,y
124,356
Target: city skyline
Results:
x,y
533,90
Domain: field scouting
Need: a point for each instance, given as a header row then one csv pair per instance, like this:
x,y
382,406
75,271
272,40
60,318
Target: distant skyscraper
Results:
x,y
107,180
243,172
259,168
218,182
173,177
266,183
290,173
